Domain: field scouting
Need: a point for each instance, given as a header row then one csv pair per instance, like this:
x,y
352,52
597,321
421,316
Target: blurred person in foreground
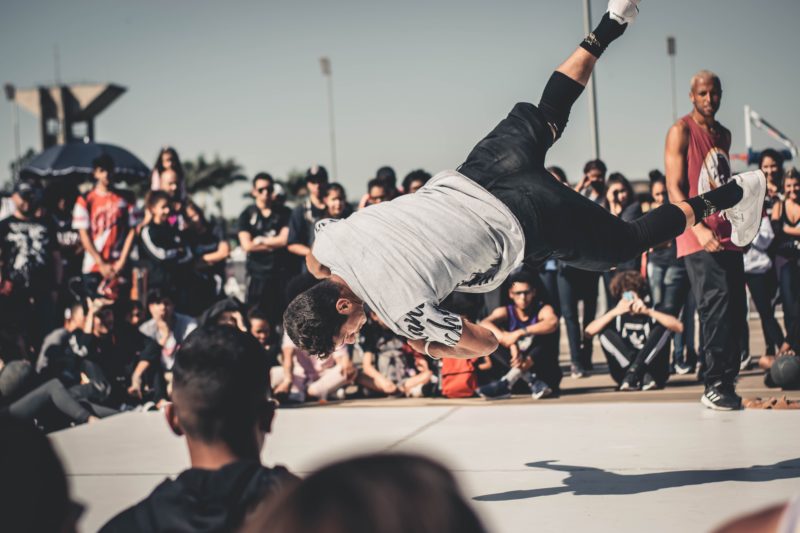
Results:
x,y
455,235
392,493
780,518
221,404
36,496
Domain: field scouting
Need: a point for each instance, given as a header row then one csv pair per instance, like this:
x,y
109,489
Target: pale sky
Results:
x,y
416,84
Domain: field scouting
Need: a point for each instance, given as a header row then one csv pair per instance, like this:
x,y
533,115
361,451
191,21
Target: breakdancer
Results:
x,y
467,229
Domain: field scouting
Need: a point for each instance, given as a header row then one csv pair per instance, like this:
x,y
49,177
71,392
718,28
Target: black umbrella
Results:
x,y
75,159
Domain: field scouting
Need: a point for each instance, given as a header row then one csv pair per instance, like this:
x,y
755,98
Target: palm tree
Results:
x,y
210,177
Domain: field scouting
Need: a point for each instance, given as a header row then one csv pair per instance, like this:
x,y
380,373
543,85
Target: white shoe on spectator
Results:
x,y
745,217
623,11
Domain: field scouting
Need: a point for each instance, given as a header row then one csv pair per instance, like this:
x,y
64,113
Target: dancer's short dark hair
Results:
x,y
311,319
221,386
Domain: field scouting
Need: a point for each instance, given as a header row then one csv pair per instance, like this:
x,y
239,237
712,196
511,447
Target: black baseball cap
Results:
x,y
28,190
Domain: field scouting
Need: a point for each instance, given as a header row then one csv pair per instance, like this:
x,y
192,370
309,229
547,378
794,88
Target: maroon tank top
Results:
x,y
707,167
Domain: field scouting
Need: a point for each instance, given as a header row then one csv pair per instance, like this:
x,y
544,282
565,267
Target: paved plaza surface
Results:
x,y
592,460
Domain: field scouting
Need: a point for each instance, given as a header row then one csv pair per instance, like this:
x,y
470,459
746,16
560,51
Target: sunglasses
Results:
x,y
262,190
520,293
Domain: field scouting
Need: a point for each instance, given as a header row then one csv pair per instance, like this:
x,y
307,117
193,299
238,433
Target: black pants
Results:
x,y
652,358
762,289
557,221
268,294
717,282
576,285
51,393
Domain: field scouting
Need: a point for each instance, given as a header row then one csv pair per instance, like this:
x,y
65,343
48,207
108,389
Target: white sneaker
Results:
x,y
745,217
623,11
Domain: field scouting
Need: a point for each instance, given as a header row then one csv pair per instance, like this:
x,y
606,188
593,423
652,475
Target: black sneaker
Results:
x,y
496,390
721,398
629,382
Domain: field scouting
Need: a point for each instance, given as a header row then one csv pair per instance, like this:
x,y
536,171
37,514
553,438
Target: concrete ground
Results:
x,y
592,460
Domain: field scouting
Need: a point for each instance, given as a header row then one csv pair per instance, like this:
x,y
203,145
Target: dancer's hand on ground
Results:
x,y
707,238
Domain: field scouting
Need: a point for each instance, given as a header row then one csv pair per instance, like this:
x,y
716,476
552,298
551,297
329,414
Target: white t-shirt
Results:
x,y
405,256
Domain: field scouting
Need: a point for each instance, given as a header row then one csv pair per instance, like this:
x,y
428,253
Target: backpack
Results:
x,y
458,378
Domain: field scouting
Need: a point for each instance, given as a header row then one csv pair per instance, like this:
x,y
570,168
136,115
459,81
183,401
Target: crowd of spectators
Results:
x,y
99,290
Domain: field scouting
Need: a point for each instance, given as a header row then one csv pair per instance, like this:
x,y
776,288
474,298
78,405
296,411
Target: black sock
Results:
x,y
706,204
596,42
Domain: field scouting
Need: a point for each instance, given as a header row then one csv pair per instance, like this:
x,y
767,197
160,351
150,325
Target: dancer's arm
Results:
x,y
475,341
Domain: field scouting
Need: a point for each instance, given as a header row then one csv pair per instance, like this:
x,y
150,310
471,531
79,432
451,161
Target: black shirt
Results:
x,y
204,500
206,243
265,264
26,252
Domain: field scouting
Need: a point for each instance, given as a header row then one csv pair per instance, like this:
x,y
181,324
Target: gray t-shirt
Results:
x,y
405,256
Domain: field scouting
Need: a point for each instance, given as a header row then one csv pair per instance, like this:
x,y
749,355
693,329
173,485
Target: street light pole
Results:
x,y
325,64
11,94
587,27
671,53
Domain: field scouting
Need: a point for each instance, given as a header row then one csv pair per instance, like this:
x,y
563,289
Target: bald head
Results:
x,y
706,94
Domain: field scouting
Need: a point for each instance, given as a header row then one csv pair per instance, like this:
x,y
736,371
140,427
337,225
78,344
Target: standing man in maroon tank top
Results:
x,y
696,159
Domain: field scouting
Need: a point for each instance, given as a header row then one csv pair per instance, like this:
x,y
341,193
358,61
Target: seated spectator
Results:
x,y
390,366
414,181
16,372
301,375
264,333
221,404
635,337
527,328
391,493
34,486
55,341
164,253
210,249
227,312
89,379
168,329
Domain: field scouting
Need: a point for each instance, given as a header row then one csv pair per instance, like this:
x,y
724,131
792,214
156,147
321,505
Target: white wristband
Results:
x,y
427,350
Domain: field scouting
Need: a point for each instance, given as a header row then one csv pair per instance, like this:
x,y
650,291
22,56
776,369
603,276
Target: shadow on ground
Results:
x,y
588,481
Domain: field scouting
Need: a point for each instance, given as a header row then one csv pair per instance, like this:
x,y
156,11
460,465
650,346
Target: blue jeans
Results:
x,y
669,287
